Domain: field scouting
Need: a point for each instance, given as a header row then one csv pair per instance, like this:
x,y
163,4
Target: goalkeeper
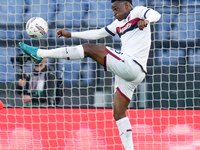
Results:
x,y
129,65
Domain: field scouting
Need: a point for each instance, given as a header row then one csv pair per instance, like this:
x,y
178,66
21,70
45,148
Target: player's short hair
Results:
x,y
130,1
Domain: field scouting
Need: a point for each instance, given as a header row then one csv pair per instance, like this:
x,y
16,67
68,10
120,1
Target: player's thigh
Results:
x,y
96,52
121,65
126,88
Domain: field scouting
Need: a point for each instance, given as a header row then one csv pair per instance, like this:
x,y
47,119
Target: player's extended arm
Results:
x,y
88,35
63,32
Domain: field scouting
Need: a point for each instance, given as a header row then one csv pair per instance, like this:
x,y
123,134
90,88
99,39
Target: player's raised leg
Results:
x,y
96,52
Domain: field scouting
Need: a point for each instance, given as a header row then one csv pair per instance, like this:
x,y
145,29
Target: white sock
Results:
x,y
74,52
125,131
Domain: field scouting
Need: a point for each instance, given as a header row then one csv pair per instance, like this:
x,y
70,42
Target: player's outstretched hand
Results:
x,y
63,32
142,23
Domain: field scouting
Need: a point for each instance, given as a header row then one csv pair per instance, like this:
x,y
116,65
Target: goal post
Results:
x,y
164,111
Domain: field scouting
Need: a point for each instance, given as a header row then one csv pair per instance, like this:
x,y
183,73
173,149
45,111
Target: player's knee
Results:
x,y
88,48
115,116
92,50
119,115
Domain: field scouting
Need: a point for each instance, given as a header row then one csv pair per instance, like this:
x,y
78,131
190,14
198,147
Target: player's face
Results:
x,y
120,10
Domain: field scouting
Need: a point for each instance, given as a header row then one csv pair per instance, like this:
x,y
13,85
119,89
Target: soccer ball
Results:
x,y
36,27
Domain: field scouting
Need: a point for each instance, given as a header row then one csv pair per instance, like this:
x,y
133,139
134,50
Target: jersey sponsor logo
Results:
x,y
131,25
128,25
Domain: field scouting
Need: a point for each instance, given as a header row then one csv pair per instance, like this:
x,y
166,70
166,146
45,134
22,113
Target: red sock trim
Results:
x,y
129,130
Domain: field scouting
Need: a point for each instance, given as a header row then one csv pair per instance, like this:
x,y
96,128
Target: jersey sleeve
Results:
x,y
90,34
111,29
147,13
141,11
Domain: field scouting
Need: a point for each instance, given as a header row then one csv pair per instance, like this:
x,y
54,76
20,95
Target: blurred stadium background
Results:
x,y
167,101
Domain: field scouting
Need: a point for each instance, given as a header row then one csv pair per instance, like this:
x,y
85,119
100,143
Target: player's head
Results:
x,y
121,8
130,1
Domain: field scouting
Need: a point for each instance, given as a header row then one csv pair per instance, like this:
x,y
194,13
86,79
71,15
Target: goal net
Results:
x,y
164,112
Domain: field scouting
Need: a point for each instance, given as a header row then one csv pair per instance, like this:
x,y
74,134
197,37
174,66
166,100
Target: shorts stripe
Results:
x,y
140,66
105,63
123,94
112,54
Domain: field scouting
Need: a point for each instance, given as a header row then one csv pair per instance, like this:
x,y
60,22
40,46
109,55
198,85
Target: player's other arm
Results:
x,y
152,15
148,16
89,35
